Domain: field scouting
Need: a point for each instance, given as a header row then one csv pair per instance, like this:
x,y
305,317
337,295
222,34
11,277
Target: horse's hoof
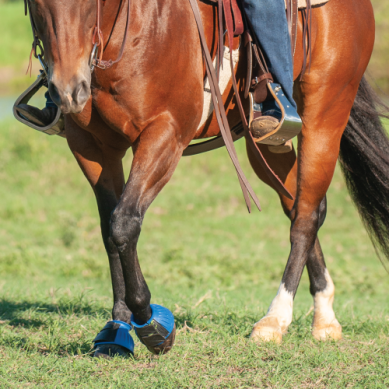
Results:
x,y
108,351
159,332
327,332
166,345
267,330
114,339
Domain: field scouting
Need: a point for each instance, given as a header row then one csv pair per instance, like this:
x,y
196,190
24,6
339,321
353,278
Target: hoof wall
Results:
x,y
166,346
108,351
267,330
331,332
266,334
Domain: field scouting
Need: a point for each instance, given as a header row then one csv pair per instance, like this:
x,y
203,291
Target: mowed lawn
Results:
x,y
204,257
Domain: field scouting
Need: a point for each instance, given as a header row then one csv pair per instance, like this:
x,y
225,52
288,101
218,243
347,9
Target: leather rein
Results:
x,y
96,58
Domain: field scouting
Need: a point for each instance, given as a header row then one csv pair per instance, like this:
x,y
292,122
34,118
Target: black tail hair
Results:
x,y
364,159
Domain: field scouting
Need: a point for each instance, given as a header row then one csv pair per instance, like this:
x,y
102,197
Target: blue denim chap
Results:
x,y
268,18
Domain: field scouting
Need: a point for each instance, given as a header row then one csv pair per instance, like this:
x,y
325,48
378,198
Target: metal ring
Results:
x,y
93,57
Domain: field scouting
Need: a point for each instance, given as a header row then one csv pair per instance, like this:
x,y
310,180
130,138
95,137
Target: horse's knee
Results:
x,y
125,229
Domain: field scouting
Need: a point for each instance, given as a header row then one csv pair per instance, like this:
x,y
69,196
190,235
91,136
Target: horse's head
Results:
x,y
65,28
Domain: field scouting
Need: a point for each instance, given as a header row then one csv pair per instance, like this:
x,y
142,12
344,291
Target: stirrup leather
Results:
x,y
290,124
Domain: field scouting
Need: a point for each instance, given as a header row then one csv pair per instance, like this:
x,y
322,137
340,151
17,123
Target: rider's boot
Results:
x,y
266,117
40,117
268,19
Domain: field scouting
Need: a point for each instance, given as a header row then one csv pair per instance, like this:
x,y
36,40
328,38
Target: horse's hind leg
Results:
x,y
325,98
321,286
324,325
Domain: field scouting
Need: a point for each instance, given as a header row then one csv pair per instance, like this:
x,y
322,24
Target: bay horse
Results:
x,y
152,101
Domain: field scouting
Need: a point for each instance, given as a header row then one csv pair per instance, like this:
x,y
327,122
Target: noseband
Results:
x,y
96,57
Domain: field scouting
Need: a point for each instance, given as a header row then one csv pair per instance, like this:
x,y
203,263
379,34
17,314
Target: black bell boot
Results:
x,y
40,117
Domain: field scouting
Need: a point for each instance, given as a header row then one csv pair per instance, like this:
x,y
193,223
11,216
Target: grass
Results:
x,y
215,266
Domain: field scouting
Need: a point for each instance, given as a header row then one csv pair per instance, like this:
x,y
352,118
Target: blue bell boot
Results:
x,y
159,332
114,339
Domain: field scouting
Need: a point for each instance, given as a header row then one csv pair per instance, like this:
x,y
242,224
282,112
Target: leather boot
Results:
x,y
40,117
266,119
266,116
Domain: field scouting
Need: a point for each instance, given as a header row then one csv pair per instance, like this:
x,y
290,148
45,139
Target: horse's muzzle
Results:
x,y
71,98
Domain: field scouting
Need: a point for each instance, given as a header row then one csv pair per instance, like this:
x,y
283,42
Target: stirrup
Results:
x,y
115,333
159,332
290,124
56,127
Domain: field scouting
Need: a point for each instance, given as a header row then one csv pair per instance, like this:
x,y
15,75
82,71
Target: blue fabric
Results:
x,y
119,337
268,18
161,315
49,102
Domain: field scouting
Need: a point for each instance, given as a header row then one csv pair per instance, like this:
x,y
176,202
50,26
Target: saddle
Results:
x,y
259,82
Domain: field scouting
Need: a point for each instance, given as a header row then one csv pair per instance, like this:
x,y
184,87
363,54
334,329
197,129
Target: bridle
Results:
x,y
96,57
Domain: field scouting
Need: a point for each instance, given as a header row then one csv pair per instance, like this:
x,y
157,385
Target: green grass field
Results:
x,y
215,266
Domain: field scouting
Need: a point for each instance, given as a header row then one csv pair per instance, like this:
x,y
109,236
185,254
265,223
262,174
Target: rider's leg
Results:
x,y
268,19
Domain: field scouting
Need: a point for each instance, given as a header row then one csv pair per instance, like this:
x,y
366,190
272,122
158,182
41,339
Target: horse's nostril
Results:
x,y
54,93
81,93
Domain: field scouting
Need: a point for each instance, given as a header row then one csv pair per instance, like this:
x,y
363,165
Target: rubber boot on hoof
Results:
x,y
159,332
114,339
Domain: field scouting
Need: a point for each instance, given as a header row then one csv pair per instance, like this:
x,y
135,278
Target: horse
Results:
x,y
152,101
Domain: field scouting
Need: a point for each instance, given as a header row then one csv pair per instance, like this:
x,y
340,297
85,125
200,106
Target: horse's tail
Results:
x,y
364,159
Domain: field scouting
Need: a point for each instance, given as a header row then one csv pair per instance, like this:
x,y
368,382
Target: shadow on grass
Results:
x,y
14,311
42,327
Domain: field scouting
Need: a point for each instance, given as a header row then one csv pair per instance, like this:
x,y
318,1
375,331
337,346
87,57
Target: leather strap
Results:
x,y
307,38
238,21
249,138
249,56
220,111
99,62
292,18
221,114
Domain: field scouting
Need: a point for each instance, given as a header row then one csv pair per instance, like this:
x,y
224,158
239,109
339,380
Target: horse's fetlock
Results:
x,y
121,312
140,305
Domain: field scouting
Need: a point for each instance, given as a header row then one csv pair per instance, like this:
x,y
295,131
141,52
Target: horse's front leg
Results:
x,y
103,169
156,155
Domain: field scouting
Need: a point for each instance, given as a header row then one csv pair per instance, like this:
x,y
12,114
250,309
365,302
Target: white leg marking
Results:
x,y
325,325
278,318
